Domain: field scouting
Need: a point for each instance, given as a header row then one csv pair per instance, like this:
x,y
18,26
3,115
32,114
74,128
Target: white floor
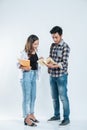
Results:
x,y
43,125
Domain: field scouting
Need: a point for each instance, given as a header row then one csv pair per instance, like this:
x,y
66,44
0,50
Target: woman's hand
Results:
x,y
25,68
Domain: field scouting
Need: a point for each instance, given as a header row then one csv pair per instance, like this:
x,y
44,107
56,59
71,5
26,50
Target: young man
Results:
x,y
59,52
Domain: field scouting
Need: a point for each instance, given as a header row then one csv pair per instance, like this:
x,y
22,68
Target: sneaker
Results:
x,y
54,118
65,122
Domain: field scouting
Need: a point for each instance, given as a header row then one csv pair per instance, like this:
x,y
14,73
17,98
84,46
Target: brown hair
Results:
x,y
28,46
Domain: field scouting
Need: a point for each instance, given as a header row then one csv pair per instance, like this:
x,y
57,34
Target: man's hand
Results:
x,y
50,65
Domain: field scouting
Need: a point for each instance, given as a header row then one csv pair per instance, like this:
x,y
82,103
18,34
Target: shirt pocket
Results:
x,y
59,53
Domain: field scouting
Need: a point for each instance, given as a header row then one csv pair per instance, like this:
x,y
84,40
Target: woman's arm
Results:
x,y
25,68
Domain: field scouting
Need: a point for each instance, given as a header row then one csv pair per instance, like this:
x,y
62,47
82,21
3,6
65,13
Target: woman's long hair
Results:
x,y
29,44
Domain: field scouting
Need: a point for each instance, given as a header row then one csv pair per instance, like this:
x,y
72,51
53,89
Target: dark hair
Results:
x,y
28,46
56,29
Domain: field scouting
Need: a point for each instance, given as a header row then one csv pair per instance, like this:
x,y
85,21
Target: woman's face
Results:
x,y
35,44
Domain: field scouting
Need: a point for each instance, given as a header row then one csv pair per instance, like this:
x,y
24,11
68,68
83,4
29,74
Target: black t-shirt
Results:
x,y
33,61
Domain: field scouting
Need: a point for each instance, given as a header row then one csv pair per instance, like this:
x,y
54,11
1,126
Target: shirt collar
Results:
x,y
61,42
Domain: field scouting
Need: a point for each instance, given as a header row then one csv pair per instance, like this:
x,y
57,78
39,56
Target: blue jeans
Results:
x,y
29,92
59,90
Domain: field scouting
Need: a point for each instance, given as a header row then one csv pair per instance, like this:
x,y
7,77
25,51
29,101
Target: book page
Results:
x,y
47,61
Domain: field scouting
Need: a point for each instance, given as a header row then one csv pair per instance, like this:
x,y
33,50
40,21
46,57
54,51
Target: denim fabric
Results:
x,y
29,91
59,90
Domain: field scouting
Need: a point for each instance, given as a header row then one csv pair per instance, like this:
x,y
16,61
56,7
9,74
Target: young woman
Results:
x,y
29,80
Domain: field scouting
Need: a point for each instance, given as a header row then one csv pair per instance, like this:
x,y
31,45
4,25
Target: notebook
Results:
x,y
24,62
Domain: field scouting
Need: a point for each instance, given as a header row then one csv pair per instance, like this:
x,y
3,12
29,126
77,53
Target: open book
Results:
x,y
24,62
46,61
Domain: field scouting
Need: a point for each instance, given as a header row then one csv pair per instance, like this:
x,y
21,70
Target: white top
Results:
x,y
23,55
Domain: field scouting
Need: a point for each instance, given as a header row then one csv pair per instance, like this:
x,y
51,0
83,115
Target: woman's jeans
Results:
x,y
59,90
29,92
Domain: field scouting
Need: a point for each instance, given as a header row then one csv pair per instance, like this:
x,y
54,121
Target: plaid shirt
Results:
x,y
59,53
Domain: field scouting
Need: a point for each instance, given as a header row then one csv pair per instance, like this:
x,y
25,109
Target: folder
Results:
x,y
24,62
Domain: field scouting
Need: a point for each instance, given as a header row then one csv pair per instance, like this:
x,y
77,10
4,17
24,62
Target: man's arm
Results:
x,y
64,62
65,57
50,65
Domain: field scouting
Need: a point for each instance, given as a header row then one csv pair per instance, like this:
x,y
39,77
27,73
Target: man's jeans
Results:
x,y
29,92
59,90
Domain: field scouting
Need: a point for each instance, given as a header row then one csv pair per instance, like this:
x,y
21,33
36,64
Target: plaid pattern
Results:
x,y
59,53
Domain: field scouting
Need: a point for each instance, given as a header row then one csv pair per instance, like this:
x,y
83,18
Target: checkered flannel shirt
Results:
x,y
60,54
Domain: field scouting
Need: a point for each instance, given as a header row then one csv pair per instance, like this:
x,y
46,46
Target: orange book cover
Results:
x,y
24,62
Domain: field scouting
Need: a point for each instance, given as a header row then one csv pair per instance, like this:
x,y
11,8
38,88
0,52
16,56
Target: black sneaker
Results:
x,y
54,118
65,122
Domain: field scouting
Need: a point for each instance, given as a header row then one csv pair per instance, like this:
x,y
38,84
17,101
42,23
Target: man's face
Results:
x,y
56,37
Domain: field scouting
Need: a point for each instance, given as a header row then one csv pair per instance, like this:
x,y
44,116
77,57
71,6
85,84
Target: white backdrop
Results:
x,y
19,19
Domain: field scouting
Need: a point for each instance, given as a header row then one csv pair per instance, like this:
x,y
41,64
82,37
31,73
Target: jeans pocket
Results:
x,y
63,80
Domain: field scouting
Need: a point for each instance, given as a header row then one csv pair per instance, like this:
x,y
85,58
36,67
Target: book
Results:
x,y
49,60
24,62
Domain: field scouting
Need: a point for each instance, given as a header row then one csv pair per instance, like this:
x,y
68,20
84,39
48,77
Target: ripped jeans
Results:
x,y
28,83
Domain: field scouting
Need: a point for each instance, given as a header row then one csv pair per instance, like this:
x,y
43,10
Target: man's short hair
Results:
x,y
56,29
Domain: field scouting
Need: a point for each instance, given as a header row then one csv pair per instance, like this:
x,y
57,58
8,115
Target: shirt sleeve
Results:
x,y
51,47
65,56
22,55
